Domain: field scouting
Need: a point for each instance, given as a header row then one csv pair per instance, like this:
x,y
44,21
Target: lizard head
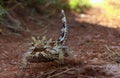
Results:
x,y
41,43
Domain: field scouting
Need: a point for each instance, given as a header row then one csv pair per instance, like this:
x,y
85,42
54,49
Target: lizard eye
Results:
x,y
32,44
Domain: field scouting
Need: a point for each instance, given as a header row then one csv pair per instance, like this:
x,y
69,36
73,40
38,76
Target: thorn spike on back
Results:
x,y
50,40
44,38
34,39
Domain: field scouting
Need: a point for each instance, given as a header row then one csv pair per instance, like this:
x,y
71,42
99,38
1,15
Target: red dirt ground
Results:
x,y
91,35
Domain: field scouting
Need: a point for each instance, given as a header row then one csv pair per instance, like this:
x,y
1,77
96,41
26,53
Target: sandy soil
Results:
x,y
94,39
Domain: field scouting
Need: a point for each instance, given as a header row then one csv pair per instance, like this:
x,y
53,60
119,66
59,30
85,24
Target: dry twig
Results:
x,y
60,73
113,53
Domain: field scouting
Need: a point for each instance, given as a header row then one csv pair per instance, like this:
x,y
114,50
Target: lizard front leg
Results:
x,y
24,61
61,56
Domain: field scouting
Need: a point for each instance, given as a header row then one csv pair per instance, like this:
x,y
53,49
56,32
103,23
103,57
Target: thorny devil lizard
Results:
x,y
43,50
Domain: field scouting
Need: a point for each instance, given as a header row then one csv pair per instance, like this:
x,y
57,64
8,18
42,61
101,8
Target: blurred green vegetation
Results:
x,y
76,5
2,12
79,5
55,3
111,6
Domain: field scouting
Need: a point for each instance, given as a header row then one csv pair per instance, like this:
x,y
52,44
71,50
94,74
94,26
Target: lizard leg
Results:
x,y
61,57
67,51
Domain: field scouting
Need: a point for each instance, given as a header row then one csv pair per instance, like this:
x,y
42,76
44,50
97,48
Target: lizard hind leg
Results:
x,y
67,51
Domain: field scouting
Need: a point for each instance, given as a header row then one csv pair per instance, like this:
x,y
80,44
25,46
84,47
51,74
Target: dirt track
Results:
x,y
90,36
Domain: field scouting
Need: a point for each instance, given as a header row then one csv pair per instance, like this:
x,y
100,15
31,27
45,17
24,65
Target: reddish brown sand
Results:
x,y
91,35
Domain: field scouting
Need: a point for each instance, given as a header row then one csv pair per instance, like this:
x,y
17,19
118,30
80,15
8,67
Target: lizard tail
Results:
x,y
63,35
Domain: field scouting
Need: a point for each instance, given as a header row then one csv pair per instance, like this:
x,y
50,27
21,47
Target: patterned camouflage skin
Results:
x,y
45,50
